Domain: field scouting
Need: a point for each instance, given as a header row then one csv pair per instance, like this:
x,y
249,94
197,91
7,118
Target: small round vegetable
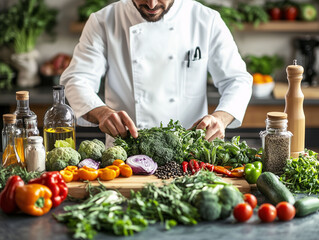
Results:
x,y
250,199
285,211
267,212
242,212
142,164
126,170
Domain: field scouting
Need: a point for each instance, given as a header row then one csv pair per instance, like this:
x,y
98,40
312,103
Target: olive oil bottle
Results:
x,y
59,121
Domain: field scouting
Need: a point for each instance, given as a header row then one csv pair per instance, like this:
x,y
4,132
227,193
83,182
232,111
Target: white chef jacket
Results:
x,y
149,67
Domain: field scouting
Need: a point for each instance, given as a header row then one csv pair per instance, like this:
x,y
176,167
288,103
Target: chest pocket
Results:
x,y
194,78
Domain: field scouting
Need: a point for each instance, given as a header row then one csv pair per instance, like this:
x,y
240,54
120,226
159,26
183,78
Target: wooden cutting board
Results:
x,y
280,91
137,182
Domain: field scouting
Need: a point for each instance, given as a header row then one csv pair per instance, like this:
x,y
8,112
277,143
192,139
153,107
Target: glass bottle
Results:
x,y
59,120
35,154
22,112
31,126
276,142
10,155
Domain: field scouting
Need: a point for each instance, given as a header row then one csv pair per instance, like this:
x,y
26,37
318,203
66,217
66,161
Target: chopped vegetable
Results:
x,y
66,175
68,142
106,174
89,163
142,164
126,170
61,157
87,173
34,199
55,182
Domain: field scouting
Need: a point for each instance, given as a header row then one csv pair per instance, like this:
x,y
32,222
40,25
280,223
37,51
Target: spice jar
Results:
x,y
275,142
35,154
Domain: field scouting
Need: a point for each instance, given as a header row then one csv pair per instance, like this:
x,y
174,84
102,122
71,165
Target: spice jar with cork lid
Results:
x,y
276,141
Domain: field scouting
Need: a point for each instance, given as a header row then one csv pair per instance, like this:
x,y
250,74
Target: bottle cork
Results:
x,y
22,95
294,108
9,118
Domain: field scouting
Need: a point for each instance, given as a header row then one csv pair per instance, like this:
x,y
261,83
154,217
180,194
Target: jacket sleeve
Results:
x,y
83,76
229,73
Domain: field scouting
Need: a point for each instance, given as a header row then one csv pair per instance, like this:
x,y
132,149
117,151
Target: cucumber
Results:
x,y
274,190
306,206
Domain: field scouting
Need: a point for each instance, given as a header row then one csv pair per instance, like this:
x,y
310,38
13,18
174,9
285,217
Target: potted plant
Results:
x,y
20,27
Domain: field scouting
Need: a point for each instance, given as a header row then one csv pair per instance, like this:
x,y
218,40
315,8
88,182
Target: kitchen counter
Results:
x,y
25,227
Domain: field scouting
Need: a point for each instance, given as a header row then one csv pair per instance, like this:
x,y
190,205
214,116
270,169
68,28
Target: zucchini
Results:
x,y
273,189
306,206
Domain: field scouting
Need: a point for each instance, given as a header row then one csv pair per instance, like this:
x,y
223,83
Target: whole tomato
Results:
x,y
285,211
242,212
267,212
250,199
290,13
275,13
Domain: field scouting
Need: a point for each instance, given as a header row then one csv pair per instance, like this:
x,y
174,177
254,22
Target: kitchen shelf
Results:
x,y
284,26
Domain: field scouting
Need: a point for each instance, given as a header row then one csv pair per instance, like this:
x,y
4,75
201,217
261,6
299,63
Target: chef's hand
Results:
x,y
215,124
112,122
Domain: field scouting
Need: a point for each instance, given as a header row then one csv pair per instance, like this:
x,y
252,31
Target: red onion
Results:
x,y
142,164
89,163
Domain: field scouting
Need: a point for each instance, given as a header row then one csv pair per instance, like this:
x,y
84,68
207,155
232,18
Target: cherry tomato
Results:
x,y
250,199
242,212
290,13
285,211
267,212
275,13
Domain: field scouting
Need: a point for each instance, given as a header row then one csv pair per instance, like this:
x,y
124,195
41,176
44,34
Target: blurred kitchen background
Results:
x,y
269,35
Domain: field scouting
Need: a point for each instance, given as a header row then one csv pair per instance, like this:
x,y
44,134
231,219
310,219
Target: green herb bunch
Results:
x,y
171,204
24,22
264,64
6,172
301,174
91,6
253,14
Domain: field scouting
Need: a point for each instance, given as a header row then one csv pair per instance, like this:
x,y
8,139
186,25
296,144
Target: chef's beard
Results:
x,y
152,17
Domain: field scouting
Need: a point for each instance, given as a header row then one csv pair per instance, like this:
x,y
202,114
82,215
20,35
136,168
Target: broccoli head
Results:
x,y
230,195
112,153
61,157
207,203
91,149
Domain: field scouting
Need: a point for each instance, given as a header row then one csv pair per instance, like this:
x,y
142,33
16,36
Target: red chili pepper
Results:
x,y
210,167
55,182
185,166
194,166
202,165
222,170
7,196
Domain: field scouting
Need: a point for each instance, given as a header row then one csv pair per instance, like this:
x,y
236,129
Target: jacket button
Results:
x,y
171,28
172,100
171,57
134,31
135,61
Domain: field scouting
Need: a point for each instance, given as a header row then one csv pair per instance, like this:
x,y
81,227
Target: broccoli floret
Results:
x,y
91,149
226,211
58,158
207,203
230,195
112,153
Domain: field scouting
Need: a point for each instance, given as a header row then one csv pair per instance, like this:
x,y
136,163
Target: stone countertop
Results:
x,y
20,226
43,95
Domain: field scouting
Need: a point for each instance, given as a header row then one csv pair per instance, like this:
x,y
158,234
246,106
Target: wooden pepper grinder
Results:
x,y
294,109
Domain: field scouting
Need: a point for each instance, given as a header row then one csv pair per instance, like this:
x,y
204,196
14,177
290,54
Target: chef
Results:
x,y
154,56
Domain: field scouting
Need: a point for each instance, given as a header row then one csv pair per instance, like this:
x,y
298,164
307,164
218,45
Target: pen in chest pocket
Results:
x,y
197,55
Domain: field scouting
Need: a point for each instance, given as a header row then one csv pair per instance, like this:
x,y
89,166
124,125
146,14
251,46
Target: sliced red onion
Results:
x,y
141,164
89,163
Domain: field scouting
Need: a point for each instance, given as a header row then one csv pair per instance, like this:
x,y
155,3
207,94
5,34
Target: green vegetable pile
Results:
x,y
301,174
186,200
112,153
61,157
91,6
263,64
175,143
91,149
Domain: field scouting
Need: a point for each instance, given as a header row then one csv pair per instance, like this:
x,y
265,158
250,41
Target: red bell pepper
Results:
x,y
7,196
202,165
210,167
55,182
